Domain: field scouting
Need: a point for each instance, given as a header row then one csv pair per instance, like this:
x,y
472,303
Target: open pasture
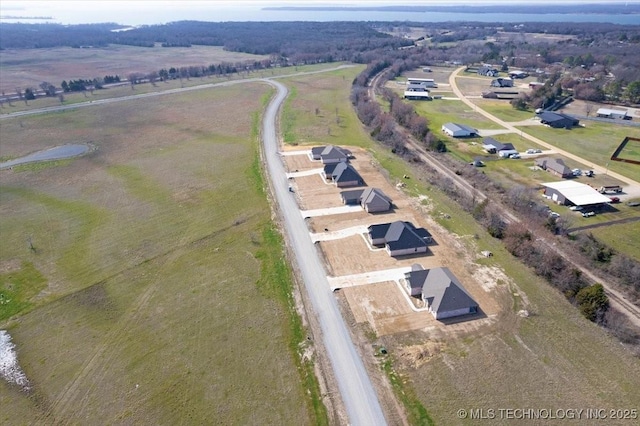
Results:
x,y
318,110
24,68
158,304
594,141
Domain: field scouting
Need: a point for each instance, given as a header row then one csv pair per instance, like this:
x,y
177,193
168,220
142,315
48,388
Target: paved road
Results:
x,y
356,389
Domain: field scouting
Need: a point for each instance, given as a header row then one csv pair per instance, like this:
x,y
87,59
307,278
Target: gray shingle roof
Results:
x,y
344,172
443,291
400,235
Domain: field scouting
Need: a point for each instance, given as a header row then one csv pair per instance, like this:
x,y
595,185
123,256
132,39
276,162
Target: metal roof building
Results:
x,y
570,192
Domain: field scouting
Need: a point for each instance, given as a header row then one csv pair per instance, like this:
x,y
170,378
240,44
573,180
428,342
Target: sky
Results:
x,y
137,12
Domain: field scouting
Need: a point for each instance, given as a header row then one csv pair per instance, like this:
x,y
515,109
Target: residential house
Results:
x,y
488,70
330,154
492,146
502,82
554,166
443,294
372,200
458,130
558,120
400,238
343,175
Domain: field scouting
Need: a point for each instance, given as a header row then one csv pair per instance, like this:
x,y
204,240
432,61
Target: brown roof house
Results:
x,y
371,199
442,292
554,166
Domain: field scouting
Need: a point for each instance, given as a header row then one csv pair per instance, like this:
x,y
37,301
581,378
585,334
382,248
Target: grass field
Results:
x,y
318,110
156,291
595,142
552,359
443,111
29,67
503,110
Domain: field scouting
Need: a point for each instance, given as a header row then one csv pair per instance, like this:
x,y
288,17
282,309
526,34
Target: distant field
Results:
x,y
164,293
503,110
318,110
29,67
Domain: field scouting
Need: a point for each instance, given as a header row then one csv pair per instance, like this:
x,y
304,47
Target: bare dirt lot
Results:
x,y
346,250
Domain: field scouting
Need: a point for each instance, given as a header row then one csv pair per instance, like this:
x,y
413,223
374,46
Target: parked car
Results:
x,y
614,200
538,151
575,208
589,173
588,214
576,172
514,156
530,151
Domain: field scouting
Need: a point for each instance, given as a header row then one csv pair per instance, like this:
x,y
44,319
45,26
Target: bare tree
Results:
x,y
588,108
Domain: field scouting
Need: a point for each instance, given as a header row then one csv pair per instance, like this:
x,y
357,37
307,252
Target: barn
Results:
x,y
569,192
557,120
458,130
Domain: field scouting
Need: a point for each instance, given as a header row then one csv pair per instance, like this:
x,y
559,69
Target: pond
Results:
x,y
57,153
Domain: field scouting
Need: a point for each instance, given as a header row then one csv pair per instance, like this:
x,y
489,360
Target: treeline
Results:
x,y
389,127
298,41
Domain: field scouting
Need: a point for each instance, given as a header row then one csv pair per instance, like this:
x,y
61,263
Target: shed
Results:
x,y
571,192
518,74
506,153
458,130
612,113
443,294
417,95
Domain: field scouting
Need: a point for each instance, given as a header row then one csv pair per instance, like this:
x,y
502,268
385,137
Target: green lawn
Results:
x,y
442,111
595,142
503,110
156,291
